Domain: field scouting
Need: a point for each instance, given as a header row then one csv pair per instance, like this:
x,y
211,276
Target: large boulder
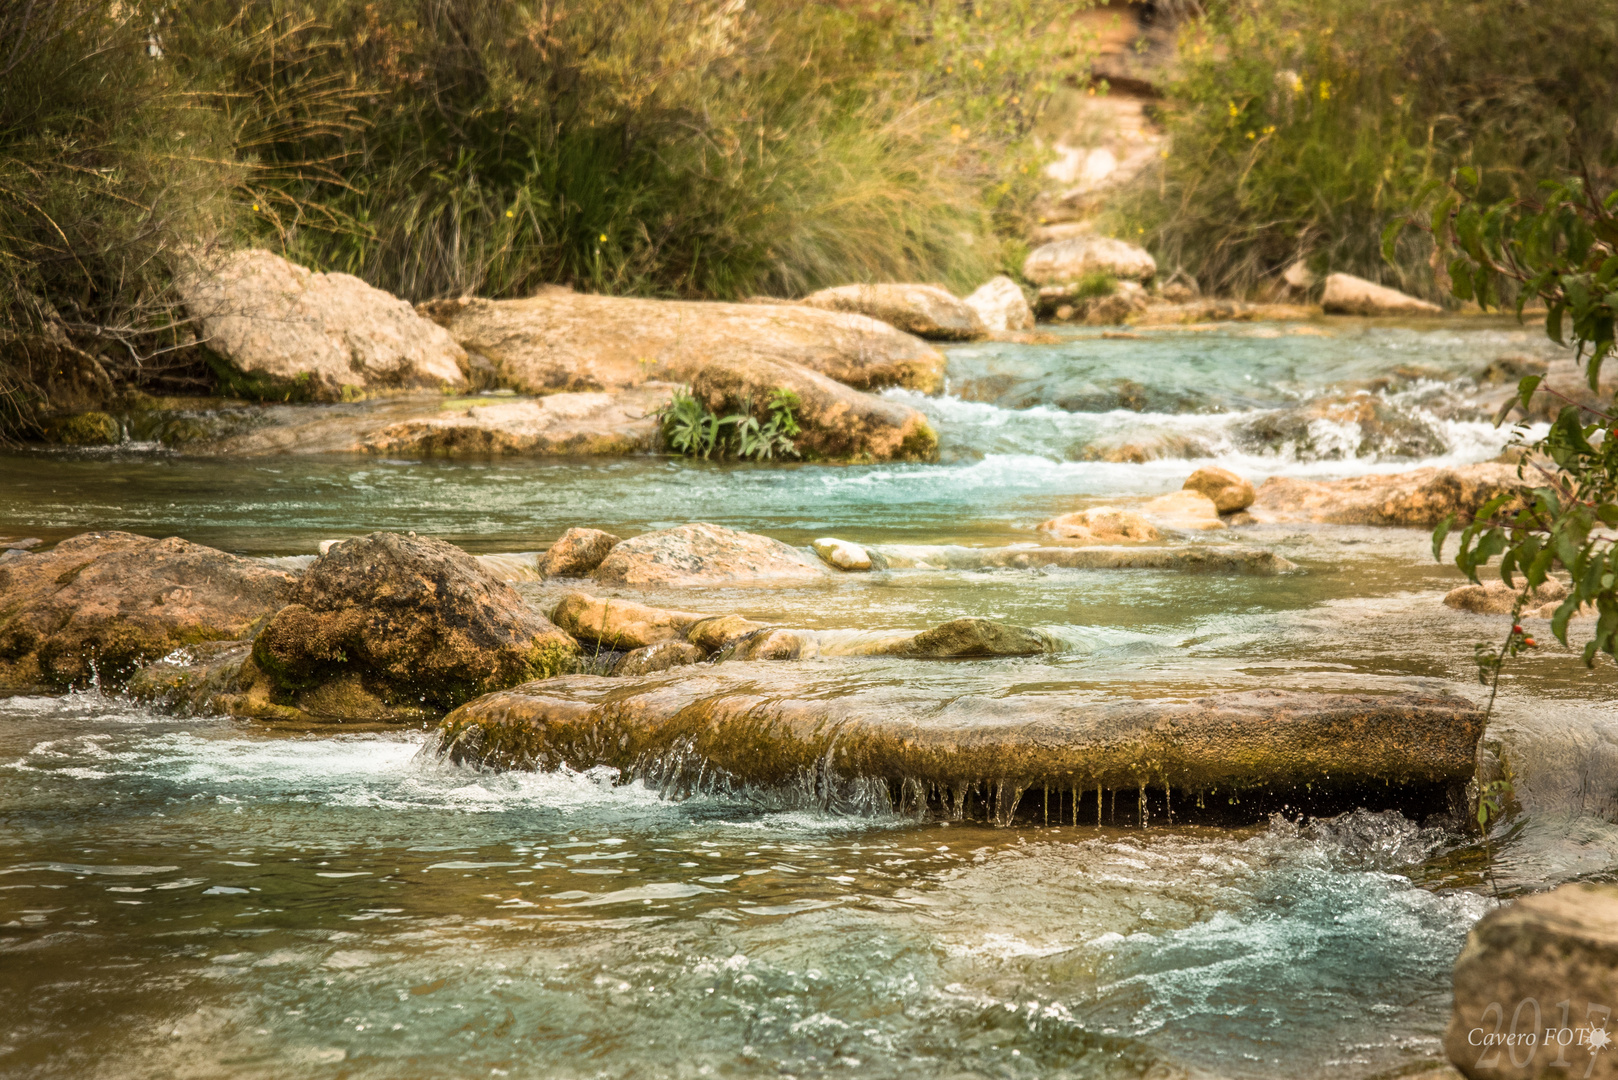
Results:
x,y
586,423
1103,525
405,621
577,552
927,311
1535,987
291,332
99,605
562,340
1419,497
761,727
1083,256
620,624
1001,305
1346,294
702,554
1228,491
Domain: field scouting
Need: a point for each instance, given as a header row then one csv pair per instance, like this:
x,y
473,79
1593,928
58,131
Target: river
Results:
x,y
203,896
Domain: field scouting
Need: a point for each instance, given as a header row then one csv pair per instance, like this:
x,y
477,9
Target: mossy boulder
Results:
x,y
99,605
409,620
84,429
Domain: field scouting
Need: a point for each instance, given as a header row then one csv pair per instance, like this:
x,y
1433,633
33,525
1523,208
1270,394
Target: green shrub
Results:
x,y
690,429
1300,128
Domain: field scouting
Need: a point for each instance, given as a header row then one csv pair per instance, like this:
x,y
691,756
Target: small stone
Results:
x,y
577,552
1228,491
1498,598
1103,525
660,657
842,554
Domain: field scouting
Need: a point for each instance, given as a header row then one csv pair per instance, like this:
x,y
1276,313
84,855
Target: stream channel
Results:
x,y
204,897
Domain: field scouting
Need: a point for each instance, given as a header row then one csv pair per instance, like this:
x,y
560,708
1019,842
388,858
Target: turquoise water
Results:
x,y
207,897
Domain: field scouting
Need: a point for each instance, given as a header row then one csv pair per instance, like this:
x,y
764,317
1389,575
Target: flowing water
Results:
x,y
207,897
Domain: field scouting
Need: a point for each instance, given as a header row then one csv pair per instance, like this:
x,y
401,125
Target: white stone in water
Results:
x,y
842,554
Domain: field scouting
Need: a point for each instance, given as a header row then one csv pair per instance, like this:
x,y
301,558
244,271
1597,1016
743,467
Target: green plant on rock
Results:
x,y
691,429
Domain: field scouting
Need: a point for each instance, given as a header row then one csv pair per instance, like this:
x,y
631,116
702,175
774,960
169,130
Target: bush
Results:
x,y
1300,128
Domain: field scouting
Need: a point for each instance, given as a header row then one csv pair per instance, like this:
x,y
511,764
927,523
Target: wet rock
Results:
x,y
562,340
621,624
762,727
1228,491
1001,305
1346,294
83,429
1419,497
651,659
577,552
1069,303
1344,426
1103,525
976,637
772,643
703,554
1545,965
99,605
924,310
409,621
1137,449
1219,309
291,332
1200,558
620,422
1498,598
1512,369
714,633
1184,510
1082,256
842,554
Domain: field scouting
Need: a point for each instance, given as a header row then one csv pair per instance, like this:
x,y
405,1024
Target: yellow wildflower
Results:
x,y
1325,89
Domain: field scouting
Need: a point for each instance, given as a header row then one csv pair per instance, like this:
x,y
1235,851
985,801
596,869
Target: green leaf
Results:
x,y
1526,389
1440,534
1553,323
1564,612
1390,239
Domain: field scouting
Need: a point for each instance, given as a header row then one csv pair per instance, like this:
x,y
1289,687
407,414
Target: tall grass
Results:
x,y
1298,128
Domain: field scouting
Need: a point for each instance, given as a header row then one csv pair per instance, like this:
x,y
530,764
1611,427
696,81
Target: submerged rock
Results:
x,y
408,622
1001,305
1080,256
291,332
1223,559
717,631
771,731
1228,491
772,643
924,310
1546,966
660,657
620,624
562,340
577,552
1344,426
1419,497
975,637
98,605
703,554
1103,525
1498,598
1346,294
842,554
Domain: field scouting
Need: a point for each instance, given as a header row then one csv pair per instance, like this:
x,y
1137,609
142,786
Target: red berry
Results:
x,y
1517,629
1528,641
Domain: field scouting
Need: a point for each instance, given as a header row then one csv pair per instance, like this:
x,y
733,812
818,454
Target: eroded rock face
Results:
x,y
1228,491
758,727
576,553
317,336
1103,525
1185,509
586,423
620,624
924,310
100,604
1549,962
562,340
1419,497
703,554
1080,256
1349,295
410,622
1001,305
